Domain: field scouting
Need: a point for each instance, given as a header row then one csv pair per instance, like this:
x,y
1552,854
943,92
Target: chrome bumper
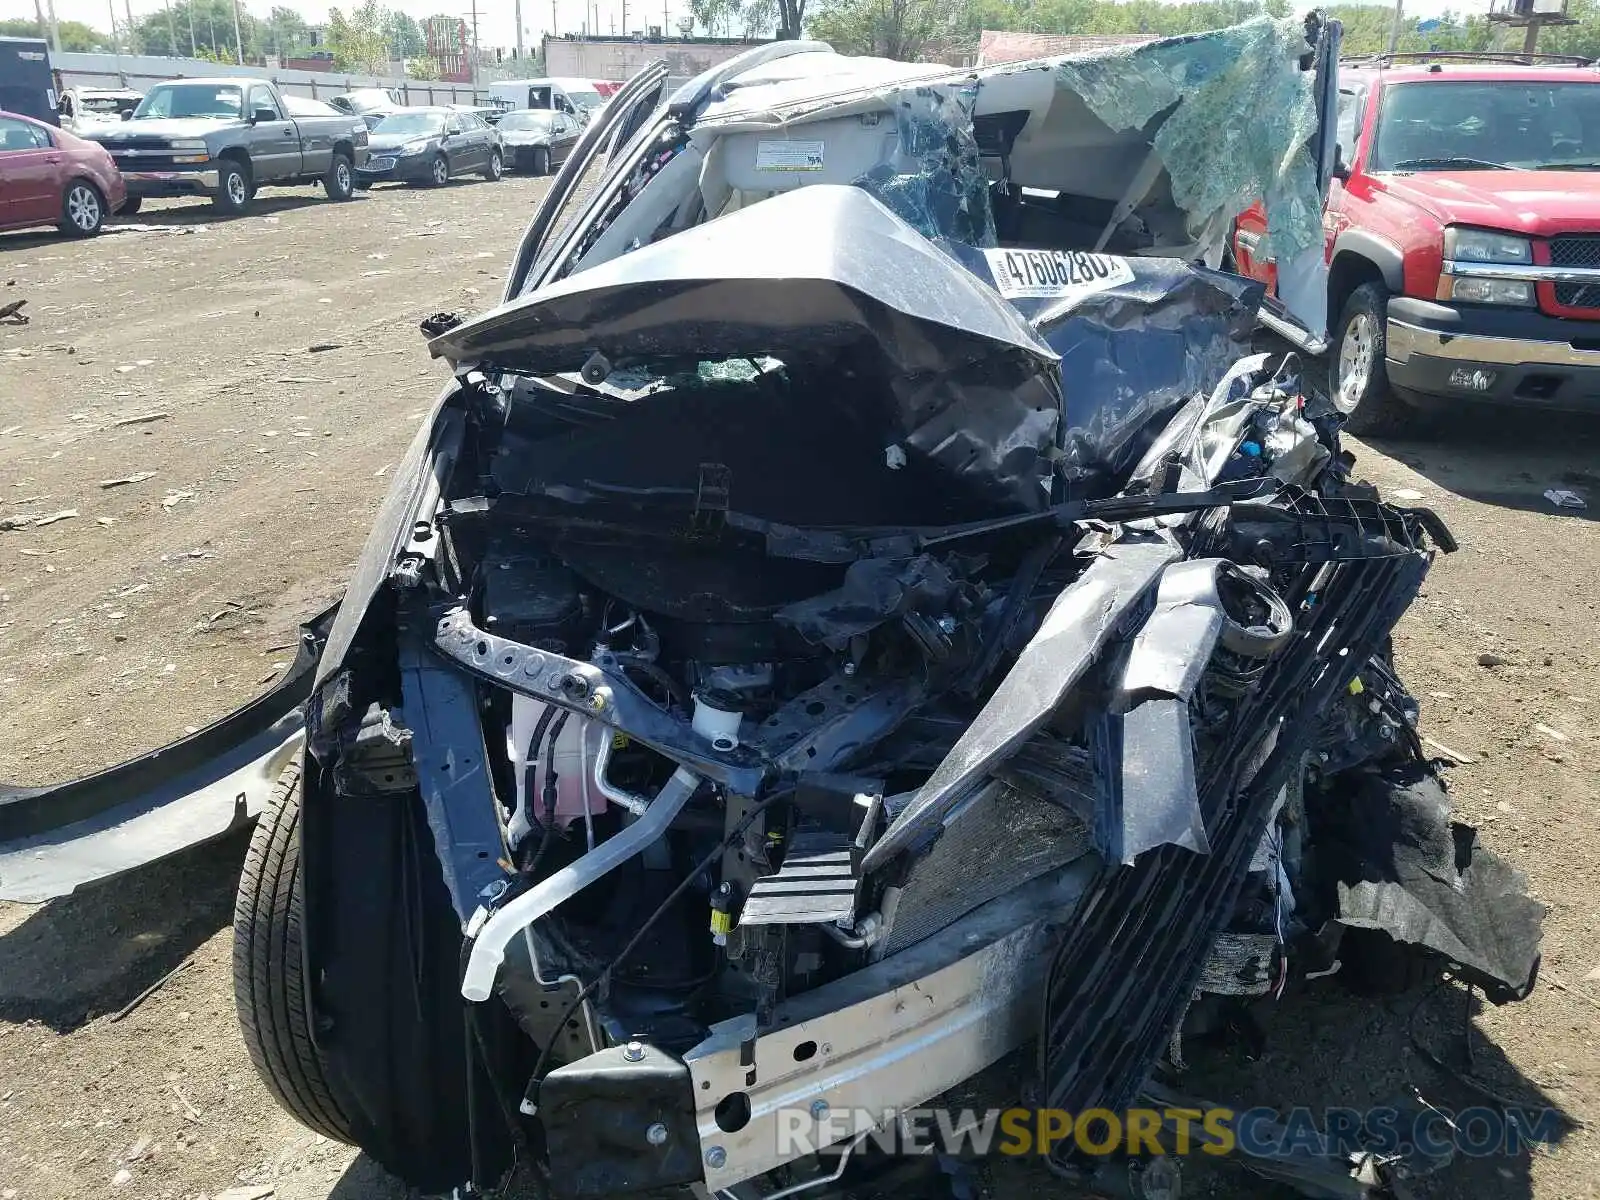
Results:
x,y
1404,340
889,1037
207,181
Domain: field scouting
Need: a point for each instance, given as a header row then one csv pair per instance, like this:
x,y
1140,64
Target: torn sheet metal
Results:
x,y
1400,864
1170,652
1132,353
1154,799
1242,115
806,277
1151,796
1084,618
1250,425
937,185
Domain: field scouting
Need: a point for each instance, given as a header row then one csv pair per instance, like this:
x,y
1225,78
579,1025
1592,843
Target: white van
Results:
x,y
576,97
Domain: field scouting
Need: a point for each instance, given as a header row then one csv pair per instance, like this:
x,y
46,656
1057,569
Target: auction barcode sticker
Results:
x,y
1049,274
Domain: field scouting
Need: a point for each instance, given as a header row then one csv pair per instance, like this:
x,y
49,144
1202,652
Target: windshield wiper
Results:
x,y
1588,165
1408,164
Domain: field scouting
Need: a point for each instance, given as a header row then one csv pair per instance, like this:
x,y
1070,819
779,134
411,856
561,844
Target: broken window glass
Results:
x,y
1233,98
937,183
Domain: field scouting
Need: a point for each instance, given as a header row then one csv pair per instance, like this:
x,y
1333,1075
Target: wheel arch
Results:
x,y
82,177
1360,257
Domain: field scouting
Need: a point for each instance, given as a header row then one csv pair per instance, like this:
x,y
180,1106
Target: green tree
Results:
x,y
766,16
405,37
197,25
75,35
901,29
360,41
716,17
285,32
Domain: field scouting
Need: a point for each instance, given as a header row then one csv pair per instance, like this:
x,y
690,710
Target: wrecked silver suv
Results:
x,y
859,608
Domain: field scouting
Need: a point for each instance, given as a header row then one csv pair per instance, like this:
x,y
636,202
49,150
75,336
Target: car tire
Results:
x,y
130,206
541,161
83,209
439,172
1358,380
496,167
269,980
340,181
235,189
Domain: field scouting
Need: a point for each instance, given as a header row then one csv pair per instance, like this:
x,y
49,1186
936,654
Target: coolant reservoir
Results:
x,y
576,748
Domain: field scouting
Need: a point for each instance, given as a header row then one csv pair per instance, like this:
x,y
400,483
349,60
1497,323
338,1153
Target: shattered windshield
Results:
x,y
1482,125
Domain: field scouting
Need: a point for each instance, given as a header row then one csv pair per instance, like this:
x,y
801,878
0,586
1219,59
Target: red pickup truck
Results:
x,y
1462,235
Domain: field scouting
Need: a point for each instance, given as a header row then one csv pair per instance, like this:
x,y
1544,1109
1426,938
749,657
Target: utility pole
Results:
x,y
132,49
44,30
473,59
238,42
116,40
55,32
519,28
553,30
1394,29
1530,40
172,31
624,18
194,47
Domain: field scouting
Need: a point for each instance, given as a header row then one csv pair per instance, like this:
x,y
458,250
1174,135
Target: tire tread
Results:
x,y
269,968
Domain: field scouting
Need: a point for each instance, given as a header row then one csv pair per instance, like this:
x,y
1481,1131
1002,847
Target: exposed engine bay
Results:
x,y
742,692
860,612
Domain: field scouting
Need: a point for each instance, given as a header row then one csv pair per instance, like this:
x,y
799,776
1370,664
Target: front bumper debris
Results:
x,y
54,840
1500,356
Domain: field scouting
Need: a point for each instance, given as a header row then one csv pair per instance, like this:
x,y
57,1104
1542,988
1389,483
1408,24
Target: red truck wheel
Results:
x,y
1358,379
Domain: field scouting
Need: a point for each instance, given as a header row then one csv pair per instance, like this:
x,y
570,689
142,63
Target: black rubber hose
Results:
x,y
549,833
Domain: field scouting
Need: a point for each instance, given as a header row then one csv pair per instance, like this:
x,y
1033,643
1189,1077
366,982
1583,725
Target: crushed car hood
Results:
x,y
806,278
800,275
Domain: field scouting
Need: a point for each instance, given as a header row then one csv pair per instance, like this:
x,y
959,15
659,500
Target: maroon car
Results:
x,y
50,177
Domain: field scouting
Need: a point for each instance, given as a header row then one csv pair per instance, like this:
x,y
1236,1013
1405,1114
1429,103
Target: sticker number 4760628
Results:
x,y
1047,274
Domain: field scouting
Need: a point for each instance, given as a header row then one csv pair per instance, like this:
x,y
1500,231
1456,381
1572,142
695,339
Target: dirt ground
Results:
x,y
163,603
